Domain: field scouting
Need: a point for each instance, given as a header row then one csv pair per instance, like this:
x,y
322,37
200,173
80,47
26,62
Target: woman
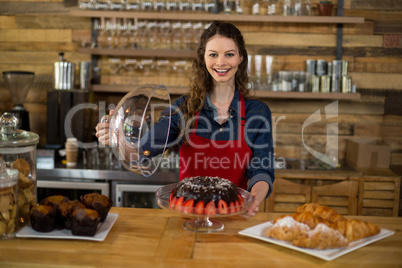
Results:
x,y
221,131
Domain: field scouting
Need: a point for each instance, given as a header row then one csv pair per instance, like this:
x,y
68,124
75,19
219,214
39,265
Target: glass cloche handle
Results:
x,y
8,123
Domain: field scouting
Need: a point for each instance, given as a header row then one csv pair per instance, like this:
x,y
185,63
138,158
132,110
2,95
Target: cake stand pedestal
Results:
x,y
202,222
203,225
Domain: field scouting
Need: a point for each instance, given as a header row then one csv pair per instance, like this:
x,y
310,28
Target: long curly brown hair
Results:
x,y
201,82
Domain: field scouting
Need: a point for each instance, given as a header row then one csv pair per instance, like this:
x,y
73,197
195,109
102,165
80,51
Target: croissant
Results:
x,y
328,214
309,207
355,229
320,227
287,229
309,219
322,237
323,212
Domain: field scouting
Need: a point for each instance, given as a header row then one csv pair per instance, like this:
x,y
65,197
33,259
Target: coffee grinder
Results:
x,y
18,83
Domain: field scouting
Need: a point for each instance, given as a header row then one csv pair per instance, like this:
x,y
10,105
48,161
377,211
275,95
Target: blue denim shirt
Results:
x,y
258,134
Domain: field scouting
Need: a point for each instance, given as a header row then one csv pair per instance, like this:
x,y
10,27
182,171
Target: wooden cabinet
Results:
x,y
369,193
379,192
294,188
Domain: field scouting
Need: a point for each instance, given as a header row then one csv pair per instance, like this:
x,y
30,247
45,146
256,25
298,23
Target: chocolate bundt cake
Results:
x,y
206,195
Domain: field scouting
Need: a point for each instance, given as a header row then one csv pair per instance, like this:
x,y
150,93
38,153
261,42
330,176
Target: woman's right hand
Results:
x,y
102,130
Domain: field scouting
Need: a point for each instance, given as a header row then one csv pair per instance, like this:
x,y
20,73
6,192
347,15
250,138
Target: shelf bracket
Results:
x,y
339,32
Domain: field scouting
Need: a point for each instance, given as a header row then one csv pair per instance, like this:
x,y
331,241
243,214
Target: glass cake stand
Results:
x,y
202,223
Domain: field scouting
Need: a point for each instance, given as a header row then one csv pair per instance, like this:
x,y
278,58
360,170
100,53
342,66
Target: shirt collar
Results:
x,y
234,105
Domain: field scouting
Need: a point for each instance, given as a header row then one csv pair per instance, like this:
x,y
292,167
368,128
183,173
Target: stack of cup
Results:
x,y
71,152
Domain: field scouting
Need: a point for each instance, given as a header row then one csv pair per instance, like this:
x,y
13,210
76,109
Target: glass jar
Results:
x,y
18,151
8,201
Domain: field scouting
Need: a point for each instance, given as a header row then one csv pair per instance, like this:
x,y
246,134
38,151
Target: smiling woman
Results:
x,y
221,131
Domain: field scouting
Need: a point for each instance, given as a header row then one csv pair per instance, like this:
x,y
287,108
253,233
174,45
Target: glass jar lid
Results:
x,y
10,136
132,126
8,177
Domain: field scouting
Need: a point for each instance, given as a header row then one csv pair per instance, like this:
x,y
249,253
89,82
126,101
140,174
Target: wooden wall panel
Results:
x,y
376,15
35,35
376,5
320,40
32,33
52,22
377,80
362,28
7,22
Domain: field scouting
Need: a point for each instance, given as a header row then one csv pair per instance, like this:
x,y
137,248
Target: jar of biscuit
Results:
x,y
8,201
18,151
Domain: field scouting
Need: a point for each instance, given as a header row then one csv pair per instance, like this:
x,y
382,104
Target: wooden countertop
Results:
x,y
156,238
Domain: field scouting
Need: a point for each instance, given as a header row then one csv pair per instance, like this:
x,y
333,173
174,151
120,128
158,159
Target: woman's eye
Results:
x,y
213,55
229,54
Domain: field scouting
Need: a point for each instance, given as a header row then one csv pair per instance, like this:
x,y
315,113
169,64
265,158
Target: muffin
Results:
x,y
84,222
43,218
99,202
64,211
54,200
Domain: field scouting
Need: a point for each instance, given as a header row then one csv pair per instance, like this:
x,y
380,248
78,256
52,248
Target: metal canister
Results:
x,y
321,67
85,74
325,84
315,83
310,66
329,69
336,68
346,84
336,84
344,68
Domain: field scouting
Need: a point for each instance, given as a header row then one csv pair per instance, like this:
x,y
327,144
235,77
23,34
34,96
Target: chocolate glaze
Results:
x,y
206,189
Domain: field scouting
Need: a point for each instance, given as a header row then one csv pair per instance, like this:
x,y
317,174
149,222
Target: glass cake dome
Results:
x,y
135,115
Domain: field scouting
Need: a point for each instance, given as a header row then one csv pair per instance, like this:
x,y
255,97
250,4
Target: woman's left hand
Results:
x,y
259,192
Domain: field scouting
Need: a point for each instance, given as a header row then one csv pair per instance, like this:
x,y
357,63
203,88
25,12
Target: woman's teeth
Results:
x,y
222,71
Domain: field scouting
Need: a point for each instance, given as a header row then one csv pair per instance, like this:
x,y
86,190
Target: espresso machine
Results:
x,y
18,83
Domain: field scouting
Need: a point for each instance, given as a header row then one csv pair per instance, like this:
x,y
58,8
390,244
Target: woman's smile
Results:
x,y
222,72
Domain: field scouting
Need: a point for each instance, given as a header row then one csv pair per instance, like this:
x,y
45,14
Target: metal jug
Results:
x,y
64,73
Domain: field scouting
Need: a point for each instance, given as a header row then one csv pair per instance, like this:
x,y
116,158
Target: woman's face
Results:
x,y
222,58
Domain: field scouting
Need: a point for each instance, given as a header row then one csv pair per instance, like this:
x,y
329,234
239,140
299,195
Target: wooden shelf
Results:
x,y
139,52
307,95
128,88
214,17
256,93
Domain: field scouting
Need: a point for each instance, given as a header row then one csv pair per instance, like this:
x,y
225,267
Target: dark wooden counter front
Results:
x,y
156,238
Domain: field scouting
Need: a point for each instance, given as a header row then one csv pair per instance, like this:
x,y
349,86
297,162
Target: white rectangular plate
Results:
x,y
258,232
100,234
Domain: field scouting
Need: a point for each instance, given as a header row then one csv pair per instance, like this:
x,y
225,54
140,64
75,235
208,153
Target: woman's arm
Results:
x,y
260,172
